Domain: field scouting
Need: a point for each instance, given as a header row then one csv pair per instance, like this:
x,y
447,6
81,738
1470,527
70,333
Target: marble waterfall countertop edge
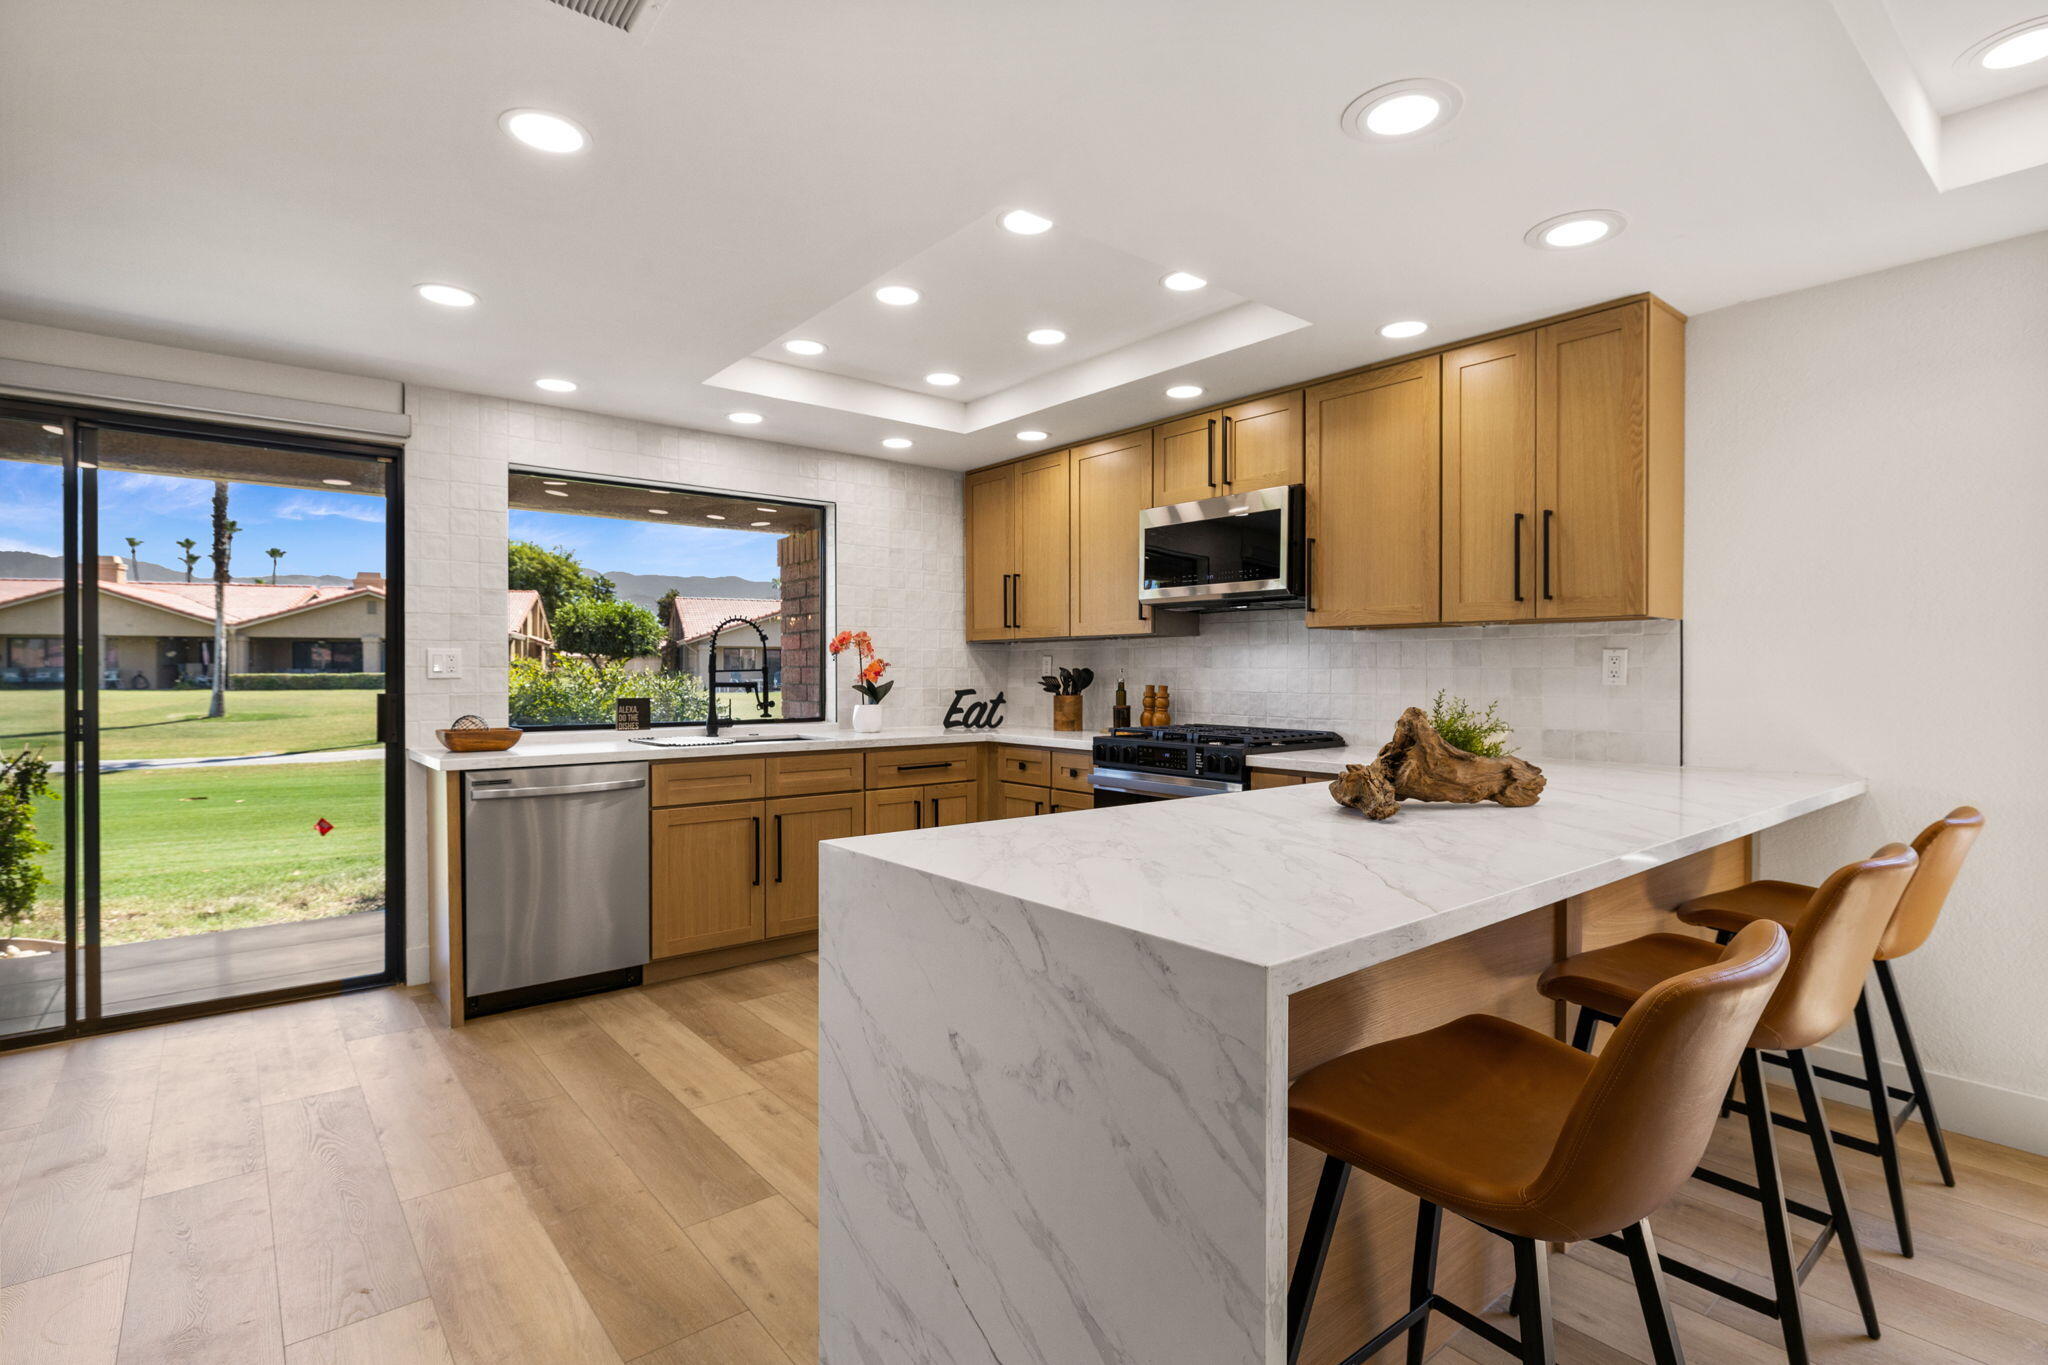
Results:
x,y
1287,880
541,749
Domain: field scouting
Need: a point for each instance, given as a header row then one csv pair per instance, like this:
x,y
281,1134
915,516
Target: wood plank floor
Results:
x,y
633,1178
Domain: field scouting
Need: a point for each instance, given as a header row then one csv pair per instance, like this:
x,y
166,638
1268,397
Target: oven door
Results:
x,y
1123,787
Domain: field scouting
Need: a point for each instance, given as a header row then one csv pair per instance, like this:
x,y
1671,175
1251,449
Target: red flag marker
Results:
x,y
323,827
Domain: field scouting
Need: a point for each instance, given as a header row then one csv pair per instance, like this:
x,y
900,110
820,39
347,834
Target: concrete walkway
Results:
x,y
122,765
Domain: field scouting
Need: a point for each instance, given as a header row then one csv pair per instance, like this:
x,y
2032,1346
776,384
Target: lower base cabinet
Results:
x,y
1066,801
709,891
796,826
1014,799
933,807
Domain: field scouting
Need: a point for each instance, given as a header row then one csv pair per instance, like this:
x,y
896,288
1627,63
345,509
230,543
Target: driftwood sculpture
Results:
x,y
1418,764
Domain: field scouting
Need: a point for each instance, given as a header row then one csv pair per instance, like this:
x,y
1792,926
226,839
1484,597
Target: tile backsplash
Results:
x,y
1267,668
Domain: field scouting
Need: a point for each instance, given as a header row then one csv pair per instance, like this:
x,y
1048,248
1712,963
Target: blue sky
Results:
x,y
325,531
605,544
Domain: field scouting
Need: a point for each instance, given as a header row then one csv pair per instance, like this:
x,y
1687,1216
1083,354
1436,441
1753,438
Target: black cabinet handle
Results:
x,y
1547,515
1038,807
1226,452
935,812
1009,610
1212,452
757,849
778,850
922,767
1518,556
918,806
1308,574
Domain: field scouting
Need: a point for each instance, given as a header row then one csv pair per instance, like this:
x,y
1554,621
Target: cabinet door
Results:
x,y
1184,459
1064,801
1591,390
990,497
708,890
796,826
952,803
1039,595
898,808
1262,443
1373,496
1014,799
1490,480
1112,485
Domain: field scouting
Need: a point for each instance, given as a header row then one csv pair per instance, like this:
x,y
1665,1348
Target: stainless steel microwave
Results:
x,y
1216,554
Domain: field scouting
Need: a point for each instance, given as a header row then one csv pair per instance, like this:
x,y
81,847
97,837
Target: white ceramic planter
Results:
x,y
867,717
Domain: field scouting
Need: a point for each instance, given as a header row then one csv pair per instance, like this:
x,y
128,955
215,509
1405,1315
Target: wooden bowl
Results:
x,y
487,741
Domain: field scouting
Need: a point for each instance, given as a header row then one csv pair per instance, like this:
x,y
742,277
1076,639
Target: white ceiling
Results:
x,y
271,179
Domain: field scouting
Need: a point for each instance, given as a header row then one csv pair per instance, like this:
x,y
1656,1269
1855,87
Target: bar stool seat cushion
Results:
x,y
1613,978
1465,1115
1781,902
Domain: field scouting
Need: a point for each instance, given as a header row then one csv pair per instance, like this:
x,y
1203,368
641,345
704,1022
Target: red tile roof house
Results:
x,y
739,649
155,634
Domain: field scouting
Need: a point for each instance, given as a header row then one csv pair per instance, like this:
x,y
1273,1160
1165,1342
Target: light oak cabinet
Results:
x,y
796,826
1066,800
1254,444
932,807
1373,480
1017,549
1013,799
1489,434
1112,484
709,889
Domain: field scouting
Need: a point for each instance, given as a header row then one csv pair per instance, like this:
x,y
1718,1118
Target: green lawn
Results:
x,y
173,724
188,850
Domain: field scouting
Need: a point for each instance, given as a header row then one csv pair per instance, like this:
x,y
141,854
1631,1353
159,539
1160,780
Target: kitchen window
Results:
x,y
615,590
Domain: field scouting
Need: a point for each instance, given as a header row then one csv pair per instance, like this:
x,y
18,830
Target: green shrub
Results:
x,y
579,692
305,682
23,778
1465,727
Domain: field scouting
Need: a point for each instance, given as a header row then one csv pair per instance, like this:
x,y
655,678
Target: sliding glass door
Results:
x,y
229,604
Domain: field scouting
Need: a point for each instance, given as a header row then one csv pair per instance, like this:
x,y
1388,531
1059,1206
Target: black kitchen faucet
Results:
x,y
711,673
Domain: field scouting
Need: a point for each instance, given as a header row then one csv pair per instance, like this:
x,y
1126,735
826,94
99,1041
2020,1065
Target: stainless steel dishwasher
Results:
x,y
554,883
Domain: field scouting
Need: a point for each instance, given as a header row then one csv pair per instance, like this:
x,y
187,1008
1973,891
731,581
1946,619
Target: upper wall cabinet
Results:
x,y
1112,483
1490,480
1255,444
1017,549
1372,446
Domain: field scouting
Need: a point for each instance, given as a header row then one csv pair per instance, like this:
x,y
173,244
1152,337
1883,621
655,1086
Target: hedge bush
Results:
x,y
305,682
576,691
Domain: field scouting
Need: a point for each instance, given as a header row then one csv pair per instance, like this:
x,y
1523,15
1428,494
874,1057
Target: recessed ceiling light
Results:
x,y
2020,45
338,483
1180,282
544,131
554,483
944,379
556,385
1025,223
1185,391
745,419
1397,331
554,492
757,523
1031,436
714,516
659,511
898,295
447,295
1569,230
53,430
897,442
799,346
765,509
1045,336
1402,109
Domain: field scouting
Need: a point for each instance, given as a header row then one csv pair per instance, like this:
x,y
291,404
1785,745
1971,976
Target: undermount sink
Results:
x,y
705,742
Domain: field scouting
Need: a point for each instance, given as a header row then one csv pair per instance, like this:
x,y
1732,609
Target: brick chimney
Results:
x,y
368,578
113,569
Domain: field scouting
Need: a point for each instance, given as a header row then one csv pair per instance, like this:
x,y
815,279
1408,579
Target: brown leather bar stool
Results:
x,y
1942,847
1831,941
1532,1140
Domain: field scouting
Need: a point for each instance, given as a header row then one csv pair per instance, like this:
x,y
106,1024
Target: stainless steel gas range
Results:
x,y
1163,762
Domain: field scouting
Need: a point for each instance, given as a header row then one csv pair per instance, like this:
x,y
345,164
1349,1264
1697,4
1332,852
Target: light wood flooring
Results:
x,y
633,1177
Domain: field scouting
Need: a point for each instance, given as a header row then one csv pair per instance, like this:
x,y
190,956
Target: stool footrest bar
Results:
x,y
1703,1279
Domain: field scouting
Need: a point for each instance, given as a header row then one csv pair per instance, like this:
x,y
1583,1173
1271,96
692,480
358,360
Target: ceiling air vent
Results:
x,y
625,15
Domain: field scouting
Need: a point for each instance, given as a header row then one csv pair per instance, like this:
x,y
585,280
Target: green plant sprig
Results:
x,y
1465,727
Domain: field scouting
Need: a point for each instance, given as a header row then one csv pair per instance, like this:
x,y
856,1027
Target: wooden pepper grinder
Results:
x,y
1165,705
1148,714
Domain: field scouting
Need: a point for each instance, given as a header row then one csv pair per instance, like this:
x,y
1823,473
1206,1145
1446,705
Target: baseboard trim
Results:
x,y
1991,1112
740,955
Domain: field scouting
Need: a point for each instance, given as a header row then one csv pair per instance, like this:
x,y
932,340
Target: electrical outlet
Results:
x,y
1614,667
444,663
1044,665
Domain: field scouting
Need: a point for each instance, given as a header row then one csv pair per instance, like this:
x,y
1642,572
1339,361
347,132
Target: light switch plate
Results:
x,y
444,663
1614,667
1044,665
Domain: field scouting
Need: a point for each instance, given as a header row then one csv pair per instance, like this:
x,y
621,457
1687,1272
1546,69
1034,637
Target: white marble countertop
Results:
x,y
1287,880
540,749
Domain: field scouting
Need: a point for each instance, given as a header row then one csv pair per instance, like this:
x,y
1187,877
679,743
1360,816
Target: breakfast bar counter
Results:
x,y
1055,1053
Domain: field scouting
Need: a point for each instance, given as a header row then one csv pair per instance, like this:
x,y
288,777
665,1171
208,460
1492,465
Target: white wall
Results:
x,y
897,571
1867,592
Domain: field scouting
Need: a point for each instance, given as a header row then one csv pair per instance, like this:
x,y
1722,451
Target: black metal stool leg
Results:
x,y
1315,1248
1831,1181
1881,1115
1582,1032
1642,1260
1777,1233
1532,1289
1429,1222
1916,1078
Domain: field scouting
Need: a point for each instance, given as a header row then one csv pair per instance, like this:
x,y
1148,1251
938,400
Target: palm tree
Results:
x,y
223,541
275,555
191,555
135,556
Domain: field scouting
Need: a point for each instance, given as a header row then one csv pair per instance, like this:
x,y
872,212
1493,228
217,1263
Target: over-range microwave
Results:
x,y
1217,554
